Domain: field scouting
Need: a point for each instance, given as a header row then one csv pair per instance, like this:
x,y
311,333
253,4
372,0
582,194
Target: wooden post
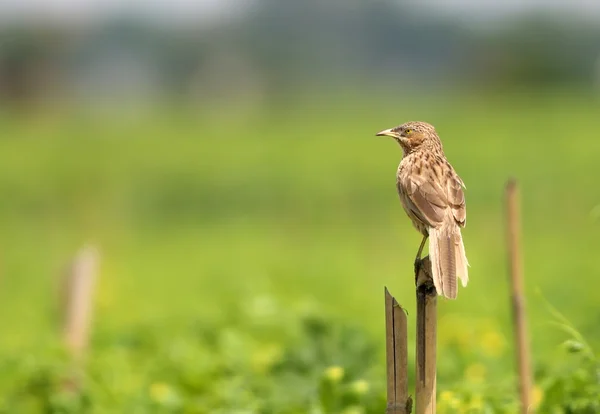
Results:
x,y
79,288
426,339
398,400
518,298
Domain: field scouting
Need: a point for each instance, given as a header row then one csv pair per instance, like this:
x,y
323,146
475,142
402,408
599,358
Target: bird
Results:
x,y
431,193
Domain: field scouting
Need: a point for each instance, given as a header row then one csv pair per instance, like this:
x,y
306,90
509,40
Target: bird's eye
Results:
x,y
408,131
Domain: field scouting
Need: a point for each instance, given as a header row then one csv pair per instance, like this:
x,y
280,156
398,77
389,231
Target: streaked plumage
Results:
x,y
432,195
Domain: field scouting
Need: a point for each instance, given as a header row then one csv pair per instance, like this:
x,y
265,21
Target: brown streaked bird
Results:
x,y
432,195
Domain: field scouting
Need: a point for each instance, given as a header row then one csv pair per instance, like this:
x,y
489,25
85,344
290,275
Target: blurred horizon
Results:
x,y
264,51
213,10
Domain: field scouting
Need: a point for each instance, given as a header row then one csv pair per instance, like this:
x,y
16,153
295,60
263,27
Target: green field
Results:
x,y
244,255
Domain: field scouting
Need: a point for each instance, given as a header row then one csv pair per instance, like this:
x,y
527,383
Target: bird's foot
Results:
x,y
417,266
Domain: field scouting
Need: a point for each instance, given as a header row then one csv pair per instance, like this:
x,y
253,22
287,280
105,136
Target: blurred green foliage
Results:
x,y
244,254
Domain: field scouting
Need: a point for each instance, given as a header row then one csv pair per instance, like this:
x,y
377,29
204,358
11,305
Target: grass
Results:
x,y
244,255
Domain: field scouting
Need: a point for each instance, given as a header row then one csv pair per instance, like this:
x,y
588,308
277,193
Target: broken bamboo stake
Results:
x,y
398,400
425,388
517,295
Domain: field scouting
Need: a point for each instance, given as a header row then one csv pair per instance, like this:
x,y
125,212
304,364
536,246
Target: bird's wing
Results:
x,y
429,197
456,199
425,198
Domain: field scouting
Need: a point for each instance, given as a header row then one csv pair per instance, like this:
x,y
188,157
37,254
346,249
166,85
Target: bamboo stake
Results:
x,y
80,281
398,400
426,339
518,298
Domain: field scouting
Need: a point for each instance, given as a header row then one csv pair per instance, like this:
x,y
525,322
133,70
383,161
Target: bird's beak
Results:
x,y
387,133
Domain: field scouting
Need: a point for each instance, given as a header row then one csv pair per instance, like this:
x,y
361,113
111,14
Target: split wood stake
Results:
x,y
398,400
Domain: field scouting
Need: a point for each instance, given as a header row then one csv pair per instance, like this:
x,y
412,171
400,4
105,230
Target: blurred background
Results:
x,y
220,155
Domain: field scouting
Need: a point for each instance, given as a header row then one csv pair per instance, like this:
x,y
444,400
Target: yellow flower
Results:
x,y
160,392
537,396
446,396
360,387
449,403
493,343
475,373
334,373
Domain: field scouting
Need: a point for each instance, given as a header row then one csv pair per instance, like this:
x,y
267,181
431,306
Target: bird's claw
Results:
x,y
417,266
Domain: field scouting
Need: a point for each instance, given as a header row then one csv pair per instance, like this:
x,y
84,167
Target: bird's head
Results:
x,y
413,135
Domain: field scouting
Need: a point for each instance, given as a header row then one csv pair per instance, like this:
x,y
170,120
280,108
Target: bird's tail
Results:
x,y
448,259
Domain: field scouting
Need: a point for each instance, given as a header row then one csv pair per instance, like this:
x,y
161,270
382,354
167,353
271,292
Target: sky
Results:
x,y
213,10
86,10
494,9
